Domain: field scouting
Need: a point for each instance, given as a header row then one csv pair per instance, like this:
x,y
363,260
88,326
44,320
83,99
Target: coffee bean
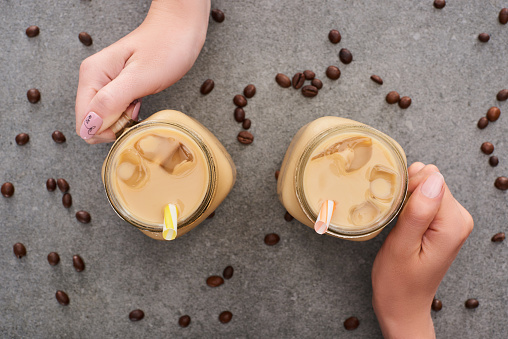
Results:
x,y
309,75
211,215
502,95
277,175
483,37
53,258
85,38
272,239
51,184
33,95
239,114
218,15
136,315
78,263
83,217
487,148
472,303
317,83
501,183
240,100
58,137
283,80
503,16
22,139
245,137
62,298
19,250
184,321
437,305
334,36
63,185
225,317
7,190
439,3
351,323
493,161
67,200
309,91
392,97
249,91
345,56
498,237
214,281
333,72
228,272
377,79
298,80
493,113
207,86
288,217
404,102
483,122
32,31
246,124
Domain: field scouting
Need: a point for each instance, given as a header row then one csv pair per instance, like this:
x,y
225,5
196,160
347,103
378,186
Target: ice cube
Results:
x,y
382,183
364,213
179,162
130,169
155,148
350,154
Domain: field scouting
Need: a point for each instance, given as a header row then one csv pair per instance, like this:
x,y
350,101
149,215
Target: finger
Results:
x,y
415,168
421,176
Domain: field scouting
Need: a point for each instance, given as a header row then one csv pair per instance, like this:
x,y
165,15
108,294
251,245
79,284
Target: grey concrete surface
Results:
x,y
307,285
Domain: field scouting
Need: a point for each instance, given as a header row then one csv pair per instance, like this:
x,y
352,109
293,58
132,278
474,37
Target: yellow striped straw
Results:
x,y
169,230
325,216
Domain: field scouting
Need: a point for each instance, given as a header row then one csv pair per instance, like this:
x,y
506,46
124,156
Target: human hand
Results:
x,y
415,256
149,59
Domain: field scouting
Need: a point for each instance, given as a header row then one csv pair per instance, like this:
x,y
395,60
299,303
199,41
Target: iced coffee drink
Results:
x,y
363,171
169,158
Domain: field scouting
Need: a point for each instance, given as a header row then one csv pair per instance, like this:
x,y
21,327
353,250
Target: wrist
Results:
x,y
397,324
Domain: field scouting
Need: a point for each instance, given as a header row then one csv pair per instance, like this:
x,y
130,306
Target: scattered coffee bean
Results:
x,y
501,183
471,303
51,184
32,31
22,139
83,217
392,97
211,215
53,258
404,102
309,91
437,305
298,80
19,250
439,3
351,323
218,15
277,175
377,79
288,217
62,298
225,317
33,95
333,72
272,239
63,185
334,36
214,281
136,315
493,113
184,321
502,95
309,75
246,124
78,263
498,237
503,16
493,161
483,122
7,190
58,137
245,137
240,100
249,91
228,272
207,86
67,200
487,147
239,114
85,38
484,37
317,83
283,80
345,56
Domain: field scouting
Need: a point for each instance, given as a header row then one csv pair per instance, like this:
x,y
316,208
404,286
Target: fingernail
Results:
x,y
320,227
90,126
433,185
135,113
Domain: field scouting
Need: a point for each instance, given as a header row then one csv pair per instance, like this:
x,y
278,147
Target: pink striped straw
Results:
x,y
324,217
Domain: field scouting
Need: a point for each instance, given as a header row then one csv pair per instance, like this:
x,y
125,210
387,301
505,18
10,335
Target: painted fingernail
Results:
x,y
433,185
135,113
90,126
